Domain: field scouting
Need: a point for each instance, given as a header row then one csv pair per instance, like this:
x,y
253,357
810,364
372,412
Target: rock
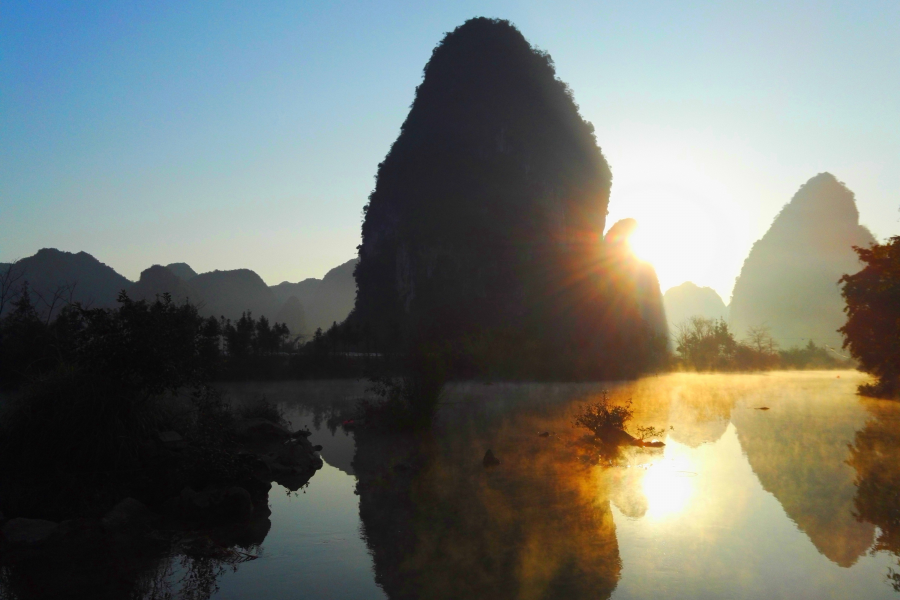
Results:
x,y
543,434
616,437
652,444
301,433
216,505
193,505
295,480
490,460
234,504
20,532
259,430
79,537
299,453
317,447
127,514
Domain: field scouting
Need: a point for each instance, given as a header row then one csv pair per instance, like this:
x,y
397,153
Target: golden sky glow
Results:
x,y
690,227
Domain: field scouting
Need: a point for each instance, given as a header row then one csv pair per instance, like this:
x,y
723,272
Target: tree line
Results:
x,y
37,339
704,344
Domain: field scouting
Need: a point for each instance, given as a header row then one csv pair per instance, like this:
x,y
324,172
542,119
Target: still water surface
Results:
x,y
798,501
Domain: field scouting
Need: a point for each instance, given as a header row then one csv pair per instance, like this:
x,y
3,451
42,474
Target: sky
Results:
x,y
247,135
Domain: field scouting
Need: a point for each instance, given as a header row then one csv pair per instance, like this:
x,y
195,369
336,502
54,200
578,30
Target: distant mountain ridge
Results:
x,y
689,300
92,282
183,270
302,306
789,280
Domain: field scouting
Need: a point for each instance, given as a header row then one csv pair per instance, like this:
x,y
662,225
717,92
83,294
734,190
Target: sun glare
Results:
x,y
685,235
668,486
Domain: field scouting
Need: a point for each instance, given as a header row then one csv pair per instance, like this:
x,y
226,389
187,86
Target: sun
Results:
x,y
684,237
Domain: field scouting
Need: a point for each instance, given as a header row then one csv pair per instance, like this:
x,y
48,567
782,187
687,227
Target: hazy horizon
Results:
x,y
243,138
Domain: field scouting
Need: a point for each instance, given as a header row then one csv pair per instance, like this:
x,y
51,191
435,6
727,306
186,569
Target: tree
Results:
x,y
758,351
705,344
872,331
760,339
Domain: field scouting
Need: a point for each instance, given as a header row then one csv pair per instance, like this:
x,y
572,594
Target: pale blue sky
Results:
x,y
241,134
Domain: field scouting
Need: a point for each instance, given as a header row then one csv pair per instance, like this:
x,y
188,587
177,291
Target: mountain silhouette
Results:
x,y
488,212
789,280
95,284
183,270
636,280
324,301
688,300
292,314
304,290
158,280
230,293
218,293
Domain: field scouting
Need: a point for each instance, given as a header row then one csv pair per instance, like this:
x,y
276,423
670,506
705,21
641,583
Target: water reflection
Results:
x,y
799,450
800,500
440,525
875,457
168,565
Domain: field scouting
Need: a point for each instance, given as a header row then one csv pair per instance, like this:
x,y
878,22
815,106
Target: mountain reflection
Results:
x,y
440,525
540,525
799,452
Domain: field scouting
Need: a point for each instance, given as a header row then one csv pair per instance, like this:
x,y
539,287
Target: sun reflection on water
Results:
x,y
668,486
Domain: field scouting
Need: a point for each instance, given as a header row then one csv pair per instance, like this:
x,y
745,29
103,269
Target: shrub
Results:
x,y
602,416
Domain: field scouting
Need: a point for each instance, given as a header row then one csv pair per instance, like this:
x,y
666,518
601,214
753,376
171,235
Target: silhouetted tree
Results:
x,y
23,341
705,344
872,331
10,275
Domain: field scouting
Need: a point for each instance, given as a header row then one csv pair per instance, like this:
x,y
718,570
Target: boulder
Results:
x,y
129,514
21,532
216,505
490,460
194,505
299,453
234,504
260,430
77,538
